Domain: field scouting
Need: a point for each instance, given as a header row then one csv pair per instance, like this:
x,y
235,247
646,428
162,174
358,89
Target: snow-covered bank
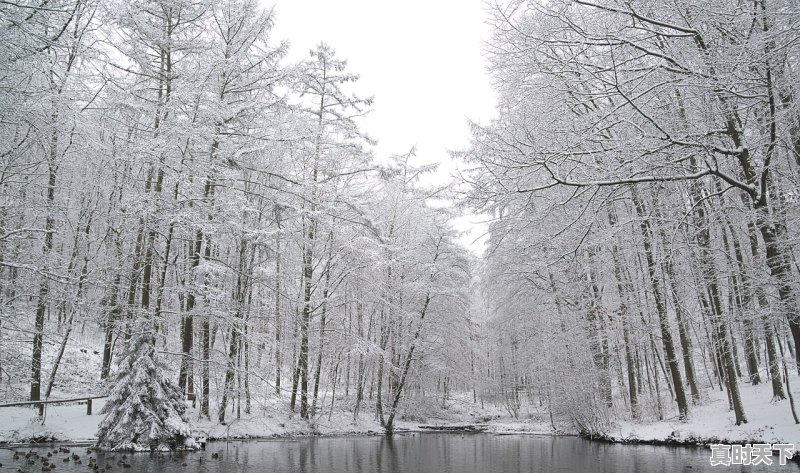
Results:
x,y
61,423
712,422
284,425
71,424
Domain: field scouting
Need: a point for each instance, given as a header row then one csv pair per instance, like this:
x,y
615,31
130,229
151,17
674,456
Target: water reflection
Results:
x,y
409,453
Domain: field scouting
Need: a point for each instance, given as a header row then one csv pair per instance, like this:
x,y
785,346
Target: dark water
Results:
x,y
407,453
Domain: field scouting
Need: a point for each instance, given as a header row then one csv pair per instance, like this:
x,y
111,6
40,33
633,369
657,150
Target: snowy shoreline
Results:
x,y
502,427
709,422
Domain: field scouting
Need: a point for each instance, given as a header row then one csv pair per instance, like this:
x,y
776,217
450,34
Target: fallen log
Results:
x,y
455,428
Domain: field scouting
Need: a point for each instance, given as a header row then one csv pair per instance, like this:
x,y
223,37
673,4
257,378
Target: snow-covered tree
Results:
x,y
145,410
642,194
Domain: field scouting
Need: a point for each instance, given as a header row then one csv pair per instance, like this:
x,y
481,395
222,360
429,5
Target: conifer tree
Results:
x,y
145,410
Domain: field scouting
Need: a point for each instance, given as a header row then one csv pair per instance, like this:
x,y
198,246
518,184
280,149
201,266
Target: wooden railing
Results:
x,y
41,404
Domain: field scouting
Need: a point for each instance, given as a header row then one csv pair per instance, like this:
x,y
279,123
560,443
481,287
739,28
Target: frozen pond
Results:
x,y
405,453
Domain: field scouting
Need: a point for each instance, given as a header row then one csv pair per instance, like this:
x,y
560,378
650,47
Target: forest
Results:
x,y
187,213
646,228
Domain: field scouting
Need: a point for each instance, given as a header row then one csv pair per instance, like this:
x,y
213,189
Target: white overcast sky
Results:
x,y
422,60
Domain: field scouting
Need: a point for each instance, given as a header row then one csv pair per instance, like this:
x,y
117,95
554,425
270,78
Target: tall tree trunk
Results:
x,y
79,295
624,288
597,337
155,174
742,300
360,378
389,424
788,387
206,347
113,313
237,326
305,322
683,333
763,306
681,316
162,278
781,272
708,274
384,341
47,247
295,381
185,377
277,313
666,333
323,315
230,372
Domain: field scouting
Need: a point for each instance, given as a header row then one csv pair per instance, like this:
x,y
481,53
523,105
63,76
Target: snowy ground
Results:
x,y
65,423
70,423
711,422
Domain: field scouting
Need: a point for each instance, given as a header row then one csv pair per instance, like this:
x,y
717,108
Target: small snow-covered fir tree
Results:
x,y
145,409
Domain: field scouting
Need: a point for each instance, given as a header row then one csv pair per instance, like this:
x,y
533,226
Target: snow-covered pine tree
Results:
x,y
145,410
